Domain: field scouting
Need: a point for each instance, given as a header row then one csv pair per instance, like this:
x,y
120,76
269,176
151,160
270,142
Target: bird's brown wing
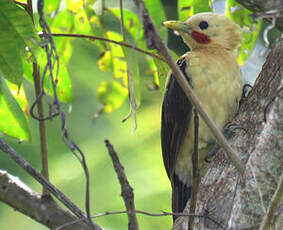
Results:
x,y
176,115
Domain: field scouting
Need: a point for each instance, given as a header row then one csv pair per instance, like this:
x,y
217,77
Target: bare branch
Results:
x,y
274,203
268,9
36,175
44,210
154,41
127,190
196,176
40,110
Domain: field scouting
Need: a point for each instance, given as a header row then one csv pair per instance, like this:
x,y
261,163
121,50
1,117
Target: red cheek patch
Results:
x,y
200,37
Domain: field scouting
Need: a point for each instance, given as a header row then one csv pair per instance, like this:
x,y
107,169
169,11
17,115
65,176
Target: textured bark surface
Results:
x,y
43,210
236,202
262,6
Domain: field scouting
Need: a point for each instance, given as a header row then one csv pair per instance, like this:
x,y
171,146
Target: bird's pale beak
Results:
x,y
178,26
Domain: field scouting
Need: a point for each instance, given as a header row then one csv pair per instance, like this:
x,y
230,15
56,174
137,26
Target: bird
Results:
x,y
211,69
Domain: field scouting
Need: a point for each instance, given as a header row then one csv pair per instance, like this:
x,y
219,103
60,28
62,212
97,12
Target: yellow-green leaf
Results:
x,y
118,57
13,121
75,5
112,95
17,35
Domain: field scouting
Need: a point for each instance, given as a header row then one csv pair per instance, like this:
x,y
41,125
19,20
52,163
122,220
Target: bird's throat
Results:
x,y
200,37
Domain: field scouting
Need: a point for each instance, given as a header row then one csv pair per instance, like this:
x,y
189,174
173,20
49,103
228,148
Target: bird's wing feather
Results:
x,y
176,115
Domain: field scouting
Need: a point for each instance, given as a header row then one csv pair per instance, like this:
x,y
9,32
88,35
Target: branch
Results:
x,y
44,210
266,9
274,203
40,110
154,42
242,203
91,37
196,175
127,190
36,175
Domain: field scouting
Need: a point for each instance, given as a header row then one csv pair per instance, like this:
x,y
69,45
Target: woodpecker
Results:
x,y
211,69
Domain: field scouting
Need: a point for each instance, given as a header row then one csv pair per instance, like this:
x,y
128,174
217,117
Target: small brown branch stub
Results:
x,y
127,190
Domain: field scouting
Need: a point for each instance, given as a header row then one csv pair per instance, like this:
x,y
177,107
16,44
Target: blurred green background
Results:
x,y
140,152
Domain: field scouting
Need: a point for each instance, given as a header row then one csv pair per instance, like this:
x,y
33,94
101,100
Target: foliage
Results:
x,y
81,17
123,71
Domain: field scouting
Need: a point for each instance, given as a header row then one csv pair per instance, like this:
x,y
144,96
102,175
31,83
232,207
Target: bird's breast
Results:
x,y
217,82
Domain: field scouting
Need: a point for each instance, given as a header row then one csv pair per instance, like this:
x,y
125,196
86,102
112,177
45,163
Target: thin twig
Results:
x,y
130,77
127,190
42,129
52,62
163,213
40,110
91,37
154,41
195,185
273,204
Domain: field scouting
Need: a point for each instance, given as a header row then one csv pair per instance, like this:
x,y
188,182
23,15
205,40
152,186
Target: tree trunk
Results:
x,y
235,202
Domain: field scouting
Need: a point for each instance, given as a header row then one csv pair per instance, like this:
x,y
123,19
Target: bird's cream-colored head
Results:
x,y
208,30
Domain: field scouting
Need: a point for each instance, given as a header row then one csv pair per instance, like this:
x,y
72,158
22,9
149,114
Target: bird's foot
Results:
x,y
228,132
212,152
245,91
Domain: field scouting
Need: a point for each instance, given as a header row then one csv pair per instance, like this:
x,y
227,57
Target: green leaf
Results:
x,y
63,22
16,33
156,11
64,84
112,95
13,121
188,8
131,22
51,6
161,70
82,24
75,5
241,16
105,62
118,57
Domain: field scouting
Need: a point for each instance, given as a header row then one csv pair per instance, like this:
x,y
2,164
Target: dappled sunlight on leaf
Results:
x,y
131,22
74,5
118,57
82,24
105,62
13,120
63,22
111,94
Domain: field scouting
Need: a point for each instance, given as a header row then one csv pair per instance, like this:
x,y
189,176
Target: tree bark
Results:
x,y
44,210
262,6
236,202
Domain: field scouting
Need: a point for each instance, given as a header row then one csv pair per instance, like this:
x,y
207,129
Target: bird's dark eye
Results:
x,y
203,25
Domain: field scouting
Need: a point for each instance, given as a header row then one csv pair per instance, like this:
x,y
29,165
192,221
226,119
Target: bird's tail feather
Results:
x,y
180,195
